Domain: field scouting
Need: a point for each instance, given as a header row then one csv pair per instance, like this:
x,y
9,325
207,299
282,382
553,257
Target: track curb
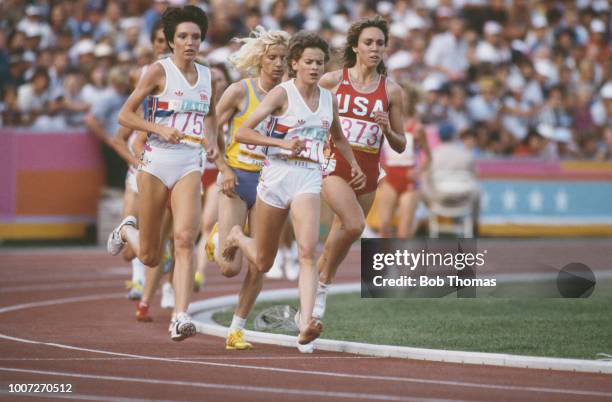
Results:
x,y
203,312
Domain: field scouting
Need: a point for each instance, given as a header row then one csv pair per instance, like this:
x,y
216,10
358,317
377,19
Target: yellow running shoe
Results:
x,y
235,341
212,242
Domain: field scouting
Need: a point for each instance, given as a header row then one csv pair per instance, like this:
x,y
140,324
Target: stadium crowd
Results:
x,y
522,78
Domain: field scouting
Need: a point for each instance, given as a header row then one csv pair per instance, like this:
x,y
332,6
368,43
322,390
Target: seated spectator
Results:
x,y
33,98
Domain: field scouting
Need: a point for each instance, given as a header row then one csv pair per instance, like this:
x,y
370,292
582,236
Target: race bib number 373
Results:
x,y
362,134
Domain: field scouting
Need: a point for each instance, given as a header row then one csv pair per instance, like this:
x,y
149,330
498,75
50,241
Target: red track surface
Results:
x,y
64,319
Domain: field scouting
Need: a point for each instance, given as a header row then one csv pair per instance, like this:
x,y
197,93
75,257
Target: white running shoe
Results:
x,y
172,320
167,299
183,328
307,348
115,243
276,272
292,269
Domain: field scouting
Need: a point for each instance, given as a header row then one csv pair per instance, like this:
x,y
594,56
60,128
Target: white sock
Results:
x,y
320,298
237,323
293,252
138,271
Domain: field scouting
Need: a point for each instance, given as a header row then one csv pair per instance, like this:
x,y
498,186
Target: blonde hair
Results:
x,y
248,58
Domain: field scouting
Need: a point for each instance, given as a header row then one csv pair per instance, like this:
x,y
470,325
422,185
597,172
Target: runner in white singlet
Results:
x,y
301,116
179,97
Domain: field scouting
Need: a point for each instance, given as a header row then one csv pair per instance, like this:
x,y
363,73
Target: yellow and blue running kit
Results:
x,y
246,160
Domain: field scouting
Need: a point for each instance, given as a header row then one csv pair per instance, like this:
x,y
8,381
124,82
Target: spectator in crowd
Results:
x,y
33,98
102,122
447,51
446,46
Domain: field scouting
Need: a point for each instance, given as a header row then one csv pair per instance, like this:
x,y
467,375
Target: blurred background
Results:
x,y
523,87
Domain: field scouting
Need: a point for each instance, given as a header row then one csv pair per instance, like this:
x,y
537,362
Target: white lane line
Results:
x,y
61,286
305,372
264,358
93,283
324,373
83,397
225,387
55,302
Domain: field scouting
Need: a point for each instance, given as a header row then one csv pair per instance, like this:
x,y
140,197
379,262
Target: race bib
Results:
x,y
314,141
362,134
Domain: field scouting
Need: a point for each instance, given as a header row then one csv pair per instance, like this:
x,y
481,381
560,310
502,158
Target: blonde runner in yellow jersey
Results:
x,y
245,156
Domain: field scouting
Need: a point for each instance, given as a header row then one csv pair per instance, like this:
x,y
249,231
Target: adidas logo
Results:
x,y
178,93
301,122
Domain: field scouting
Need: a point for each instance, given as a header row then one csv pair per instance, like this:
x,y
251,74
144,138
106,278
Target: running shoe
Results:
x,y
135,290
198,281
183,328
167,299
212,242
142,313
115,243
306,338
235,341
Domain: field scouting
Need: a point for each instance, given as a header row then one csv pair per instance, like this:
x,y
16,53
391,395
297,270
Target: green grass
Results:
x,y
572,328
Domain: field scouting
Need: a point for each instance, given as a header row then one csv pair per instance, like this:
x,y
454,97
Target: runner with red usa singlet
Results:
x,y
370,109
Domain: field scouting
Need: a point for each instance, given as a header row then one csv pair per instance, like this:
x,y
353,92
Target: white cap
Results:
x,y
84,46
399,59
539,21
398,30
340,23
130,22
32,10
384,7
545,67
432,83
492,28
558,134
312,24
414,21
562,134
598,26
519,46
103,50
515,82
606,91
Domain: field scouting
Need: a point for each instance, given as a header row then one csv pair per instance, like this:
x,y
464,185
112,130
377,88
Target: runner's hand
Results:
x,y
170,134
228,183
358,180
212,152
382,119
295,145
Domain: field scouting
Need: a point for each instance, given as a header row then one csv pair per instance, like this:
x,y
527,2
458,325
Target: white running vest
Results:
x,y
300,122
181,106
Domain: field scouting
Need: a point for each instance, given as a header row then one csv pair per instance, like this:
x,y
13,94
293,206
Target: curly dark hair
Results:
x,y
173,16
303,40
352,37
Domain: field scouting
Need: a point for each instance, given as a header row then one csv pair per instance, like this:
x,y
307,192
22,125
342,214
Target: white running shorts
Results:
x,y
282,181
171,165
